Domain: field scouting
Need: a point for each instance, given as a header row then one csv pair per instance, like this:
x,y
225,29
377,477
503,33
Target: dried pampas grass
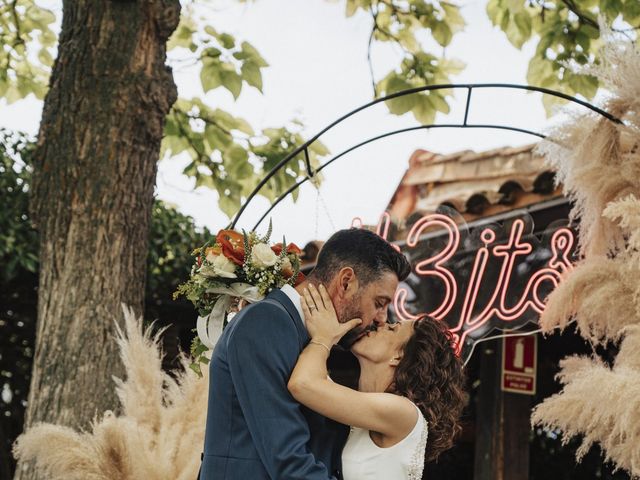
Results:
x,y
601,404
597,160
626,212
598,163
158,437
601,294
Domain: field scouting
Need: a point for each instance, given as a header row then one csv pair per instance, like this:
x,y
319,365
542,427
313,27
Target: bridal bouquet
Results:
x,y
236,268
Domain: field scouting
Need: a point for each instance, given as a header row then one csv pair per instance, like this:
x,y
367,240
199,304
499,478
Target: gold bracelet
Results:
x,y
321,344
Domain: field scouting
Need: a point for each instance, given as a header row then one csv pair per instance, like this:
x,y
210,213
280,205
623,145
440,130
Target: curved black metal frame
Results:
x,y
470,87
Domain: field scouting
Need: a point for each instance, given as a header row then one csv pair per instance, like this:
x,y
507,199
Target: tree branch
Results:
x,y
570,4
373,31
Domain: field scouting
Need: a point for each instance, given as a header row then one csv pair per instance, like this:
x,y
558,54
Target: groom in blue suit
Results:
x,y
255,430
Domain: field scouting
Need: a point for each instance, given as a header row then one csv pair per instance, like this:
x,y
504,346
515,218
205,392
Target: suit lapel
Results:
x,y
285,301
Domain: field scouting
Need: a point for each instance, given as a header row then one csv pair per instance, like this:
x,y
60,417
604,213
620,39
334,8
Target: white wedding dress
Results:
x,y
362,459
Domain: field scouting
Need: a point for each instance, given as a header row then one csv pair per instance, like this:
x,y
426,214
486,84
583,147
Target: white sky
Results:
x,y
318,71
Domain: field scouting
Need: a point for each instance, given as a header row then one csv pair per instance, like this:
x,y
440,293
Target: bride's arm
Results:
x,y
385,413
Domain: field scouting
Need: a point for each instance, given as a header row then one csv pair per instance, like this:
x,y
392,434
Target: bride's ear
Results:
x,y
395,361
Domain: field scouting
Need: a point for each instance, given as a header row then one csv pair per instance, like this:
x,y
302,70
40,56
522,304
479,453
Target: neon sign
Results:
x,y
494,288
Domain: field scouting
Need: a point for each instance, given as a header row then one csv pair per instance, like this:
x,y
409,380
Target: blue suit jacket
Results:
x,y
255,430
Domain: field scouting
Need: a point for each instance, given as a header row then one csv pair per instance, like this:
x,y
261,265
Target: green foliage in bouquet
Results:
x,y
233,269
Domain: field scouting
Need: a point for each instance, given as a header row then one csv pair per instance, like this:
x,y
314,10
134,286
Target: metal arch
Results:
x,y
465,124
371,140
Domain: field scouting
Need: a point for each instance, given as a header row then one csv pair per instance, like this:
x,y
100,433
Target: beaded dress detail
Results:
x,y
417,460
362,459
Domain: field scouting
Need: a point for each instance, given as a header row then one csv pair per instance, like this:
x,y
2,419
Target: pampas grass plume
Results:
x,y
600,404
158,437
626,212
598,163
601,294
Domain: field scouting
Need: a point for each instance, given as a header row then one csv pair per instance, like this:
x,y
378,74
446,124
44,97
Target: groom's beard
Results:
x,y
351,311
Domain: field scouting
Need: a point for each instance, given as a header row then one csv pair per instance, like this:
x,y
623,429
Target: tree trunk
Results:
x,y
94,176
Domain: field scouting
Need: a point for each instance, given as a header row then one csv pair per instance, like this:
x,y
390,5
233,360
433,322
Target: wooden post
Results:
x,y
502,423
516,413
489,446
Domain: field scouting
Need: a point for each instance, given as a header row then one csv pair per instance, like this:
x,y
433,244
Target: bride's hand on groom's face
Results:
x,y
321,318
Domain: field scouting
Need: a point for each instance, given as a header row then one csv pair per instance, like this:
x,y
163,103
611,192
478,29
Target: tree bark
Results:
x,y
94,176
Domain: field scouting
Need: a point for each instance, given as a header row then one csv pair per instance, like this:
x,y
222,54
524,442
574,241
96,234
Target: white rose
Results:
x,y
224,267
262,256
286,265
220,266
211,257
286,268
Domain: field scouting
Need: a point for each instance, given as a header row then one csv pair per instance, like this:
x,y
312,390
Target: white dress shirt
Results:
x,y
295,298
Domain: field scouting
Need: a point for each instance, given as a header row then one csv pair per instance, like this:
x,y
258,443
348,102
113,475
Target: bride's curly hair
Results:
x,y
430,374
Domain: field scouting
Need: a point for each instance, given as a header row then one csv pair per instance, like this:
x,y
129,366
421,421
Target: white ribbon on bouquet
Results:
x,y
209,328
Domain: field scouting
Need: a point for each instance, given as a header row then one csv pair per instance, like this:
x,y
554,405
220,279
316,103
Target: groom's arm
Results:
x,y
262,351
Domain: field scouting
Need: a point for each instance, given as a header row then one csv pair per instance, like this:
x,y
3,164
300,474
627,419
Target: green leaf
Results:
x,y
494,11
210,74
523,22
211,52
248,52
41,16
251,74
216,139
226,40
423,110
47,38
408,40
586,85
4,85
12,94
592,32
442,33
45,57
319,148
228,205
539,69
243,126
232,82
237,163
439,103
236,154
175,144
504,20
631,12
400,105
182,36
515,6
351,8
452,66
453,17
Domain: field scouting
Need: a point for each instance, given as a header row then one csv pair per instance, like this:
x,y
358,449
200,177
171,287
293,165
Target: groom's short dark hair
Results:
x,y
366,252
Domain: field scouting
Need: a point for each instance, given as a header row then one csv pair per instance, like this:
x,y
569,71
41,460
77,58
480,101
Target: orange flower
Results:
x,y
299,279
291,248
232,244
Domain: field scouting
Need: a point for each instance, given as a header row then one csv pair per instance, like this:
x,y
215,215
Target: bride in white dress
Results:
x,y
410,393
